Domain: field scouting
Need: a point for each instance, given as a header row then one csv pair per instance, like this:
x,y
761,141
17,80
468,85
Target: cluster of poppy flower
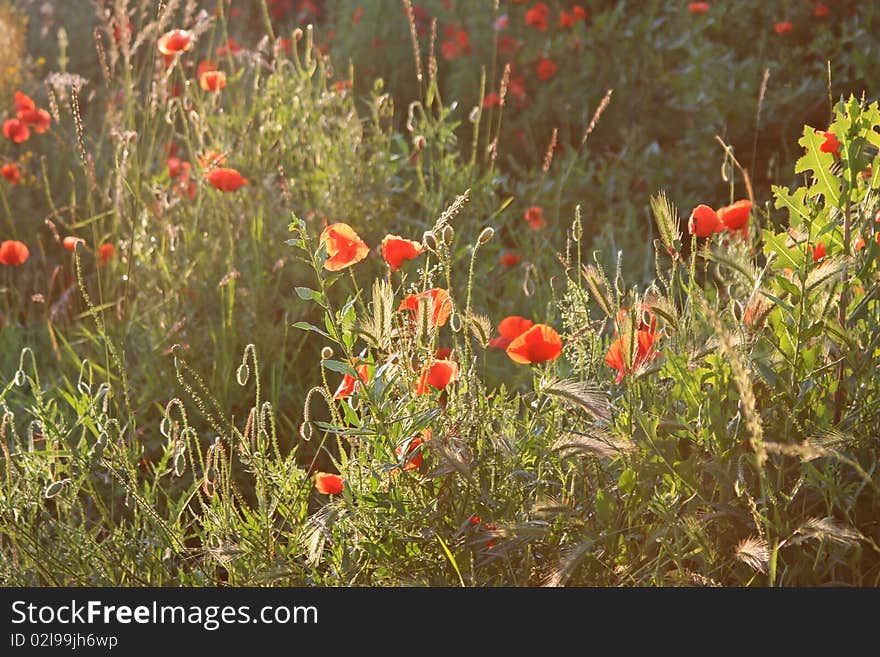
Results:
x,y
211,79
705,222
27,117
628,353
820,11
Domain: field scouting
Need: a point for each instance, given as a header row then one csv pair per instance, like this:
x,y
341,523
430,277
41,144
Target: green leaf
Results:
x,y
795,203
627,480
605,506
824,182
308,294
778,244
305,326
339,366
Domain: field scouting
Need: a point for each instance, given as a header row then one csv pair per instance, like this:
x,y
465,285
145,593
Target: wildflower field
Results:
x,y
439,293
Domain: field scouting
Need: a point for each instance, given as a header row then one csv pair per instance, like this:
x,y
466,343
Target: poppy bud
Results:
x,y
448,234
487,233
326,353
419,142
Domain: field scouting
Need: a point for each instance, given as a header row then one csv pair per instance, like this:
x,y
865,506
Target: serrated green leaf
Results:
x,y
824,182
794,202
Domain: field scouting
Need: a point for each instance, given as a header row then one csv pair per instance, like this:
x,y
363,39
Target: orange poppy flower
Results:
x,y
70,242
619,358
210,159
226,180
831,143
349,383
538,344
510,328
329,484
703,221
106,252
735,217
175,41
23,102
783,27
13,253
38,119
546,69
440,305
438,375
16,130
821,10
534,216
212,81
698,7
344,246
509,259
859,244
397,249
11,173
204,66
414,451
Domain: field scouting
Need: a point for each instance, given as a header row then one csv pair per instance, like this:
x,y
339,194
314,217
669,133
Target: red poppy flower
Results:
x,y
831,143
508,45
537,16
546,69
698,7
344,246
538,344
414,451
442,353
703,221
13,253
566,20
11,173
783,27
177,167
492,99
231,48
38,119
735,217
859,244
349,383
579,13
16,130
212,81
226,180
440,305
70,242
328,484
397,249
474,520
619,358
819,251
509,259
509,329
23,102
437,376
106,252
535,217
821,10
357,15
175,41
